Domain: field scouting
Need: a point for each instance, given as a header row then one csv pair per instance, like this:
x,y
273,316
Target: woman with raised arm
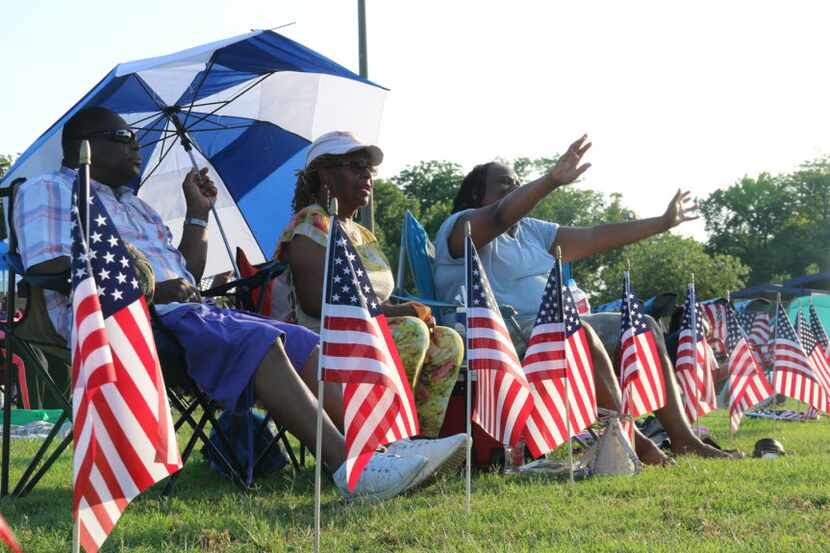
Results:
x,y
517,253
339,166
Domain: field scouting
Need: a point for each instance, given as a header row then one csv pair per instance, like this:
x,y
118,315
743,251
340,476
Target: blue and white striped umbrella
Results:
x,y
251,105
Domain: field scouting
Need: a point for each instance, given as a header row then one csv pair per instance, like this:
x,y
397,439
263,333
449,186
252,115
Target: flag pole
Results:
x,y
469,382
729,377
693,318
318,449
567,376
76,536
774,338
84,161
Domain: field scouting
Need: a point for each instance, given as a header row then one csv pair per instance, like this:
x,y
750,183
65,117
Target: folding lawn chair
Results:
x,y
44,352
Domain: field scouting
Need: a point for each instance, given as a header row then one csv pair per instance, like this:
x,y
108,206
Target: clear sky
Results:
x,y
673,94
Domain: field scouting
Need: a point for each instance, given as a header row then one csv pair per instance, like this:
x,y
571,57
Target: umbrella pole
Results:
x,y
188,147
189,150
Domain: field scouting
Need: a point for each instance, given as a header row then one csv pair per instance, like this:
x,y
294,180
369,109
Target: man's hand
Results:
x,y
199,193
176,289
680,210
568,169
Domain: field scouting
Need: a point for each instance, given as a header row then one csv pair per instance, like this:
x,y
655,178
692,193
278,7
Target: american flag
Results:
x,y
503,398
747,384
820,353
715,313
694,361
746,319
558,350
823,343
123,431
793,374
359,352
815,354
641,372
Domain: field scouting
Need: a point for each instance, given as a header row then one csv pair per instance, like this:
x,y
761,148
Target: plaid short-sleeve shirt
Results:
x,y
42,208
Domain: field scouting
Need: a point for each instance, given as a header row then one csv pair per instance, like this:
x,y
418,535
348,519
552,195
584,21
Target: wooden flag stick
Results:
x,y
567,374
76,535
774,338
693,318
318,449
468,387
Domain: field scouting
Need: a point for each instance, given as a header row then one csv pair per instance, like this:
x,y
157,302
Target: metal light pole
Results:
x,y
367,215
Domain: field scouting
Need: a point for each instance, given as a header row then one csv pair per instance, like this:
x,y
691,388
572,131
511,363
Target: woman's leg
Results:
x,y
332,392
293,406
437,378
672,415
609,396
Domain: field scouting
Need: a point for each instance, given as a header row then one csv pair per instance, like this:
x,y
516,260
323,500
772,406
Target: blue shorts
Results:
x,y
224,348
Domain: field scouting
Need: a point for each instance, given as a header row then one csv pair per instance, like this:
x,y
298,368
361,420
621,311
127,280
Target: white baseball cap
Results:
x,y
340,143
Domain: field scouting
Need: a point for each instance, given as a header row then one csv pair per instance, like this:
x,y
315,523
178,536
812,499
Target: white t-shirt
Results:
x,y
517,266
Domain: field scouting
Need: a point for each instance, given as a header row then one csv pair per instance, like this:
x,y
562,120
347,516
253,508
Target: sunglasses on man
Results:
x,y
122,136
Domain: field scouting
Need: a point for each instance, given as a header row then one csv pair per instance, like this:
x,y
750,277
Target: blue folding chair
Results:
x,y
418,253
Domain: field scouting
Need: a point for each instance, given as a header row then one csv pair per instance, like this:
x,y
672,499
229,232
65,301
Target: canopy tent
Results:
x,y
250,105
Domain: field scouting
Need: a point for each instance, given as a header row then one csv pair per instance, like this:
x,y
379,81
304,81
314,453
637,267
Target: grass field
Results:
x,y
699,505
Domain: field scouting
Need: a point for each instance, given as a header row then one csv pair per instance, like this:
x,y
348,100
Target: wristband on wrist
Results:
x,y
196,221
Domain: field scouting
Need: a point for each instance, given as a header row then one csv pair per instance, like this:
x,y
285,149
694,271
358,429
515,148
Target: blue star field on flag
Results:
x,y
549,309
687,318
632,310
349,282
784,329
107,258
479,294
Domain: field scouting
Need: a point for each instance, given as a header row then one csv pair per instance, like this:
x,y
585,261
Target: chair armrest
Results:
x,y
267,271
426,301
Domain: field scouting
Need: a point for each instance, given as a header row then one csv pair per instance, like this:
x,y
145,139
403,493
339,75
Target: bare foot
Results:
x,y
694,446
649,453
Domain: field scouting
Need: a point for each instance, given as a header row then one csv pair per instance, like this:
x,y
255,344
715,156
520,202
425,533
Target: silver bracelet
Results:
x,y
196,221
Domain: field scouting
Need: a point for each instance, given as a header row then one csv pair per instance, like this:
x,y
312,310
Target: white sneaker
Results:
x,y
383,477
443,455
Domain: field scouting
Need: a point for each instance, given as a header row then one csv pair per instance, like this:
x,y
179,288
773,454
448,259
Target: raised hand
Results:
x,y
681,209
568,169
199,192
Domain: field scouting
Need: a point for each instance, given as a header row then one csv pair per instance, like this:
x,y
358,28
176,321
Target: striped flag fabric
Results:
x,y
358,351
759,336
747,383
694,362
123,432
503,398
715,313
746,320
793,372
641,371
559,369
823,347
8,537
815,354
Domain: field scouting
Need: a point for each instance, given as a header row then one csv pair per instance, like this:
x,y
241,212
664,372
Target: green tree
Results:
x,y
665,263
776,224
430,182
6,161
390,205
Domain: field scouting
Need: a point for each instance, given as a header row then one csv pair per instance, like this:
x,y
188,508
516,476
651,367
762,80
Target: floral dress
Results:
x,y
431,362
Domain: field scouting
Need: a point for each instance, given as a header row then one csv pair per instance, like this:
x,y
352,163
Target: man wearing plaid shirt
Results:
x,y
233,356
